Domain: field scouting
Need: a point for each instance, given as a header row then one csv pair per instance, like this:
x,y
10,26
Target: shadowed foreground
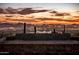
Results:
x,y
39,49
40,42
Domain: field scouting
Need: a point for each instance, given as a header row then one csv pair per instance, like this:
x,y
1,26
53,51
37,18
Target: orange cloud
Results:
x,y
40,20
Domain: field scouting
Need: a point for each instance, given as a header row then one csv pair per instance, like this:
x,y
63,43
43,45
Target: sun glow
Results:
x,y
32,18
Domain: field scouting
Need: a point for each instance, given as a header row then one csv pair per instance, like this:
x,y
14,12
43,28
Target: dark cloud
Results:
x,y
62,14
59,14
77,11
50,19
72,20
53,12
1,10
30,10
24,11
58,19
42,10
11,10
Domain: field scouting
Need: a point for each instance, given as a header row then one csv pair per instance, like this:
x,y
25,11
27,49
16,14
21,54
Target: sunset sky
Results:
x,y
43,13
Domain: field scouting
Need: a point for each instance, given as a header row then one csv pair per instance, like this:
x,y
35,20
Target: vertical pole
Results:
x,y
24,28
54,30
64,29
35,29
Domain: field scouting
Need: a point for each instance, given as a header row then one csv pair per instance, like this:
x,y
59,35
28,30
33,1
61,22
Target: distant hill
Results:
x,y
10,24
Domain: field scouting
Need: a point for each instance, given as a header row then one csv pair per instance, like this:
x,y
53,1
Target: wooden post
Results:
x,y
64,29
24,28
54,30
35,29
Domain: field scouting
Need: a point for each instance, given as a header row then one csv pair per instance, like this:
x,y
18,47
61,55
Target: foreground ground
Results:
x,y
39,49
40,42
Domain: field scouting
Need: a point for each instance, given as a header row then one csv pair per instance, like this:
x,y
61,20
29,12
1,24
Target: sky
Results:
x,y
58,13
58,6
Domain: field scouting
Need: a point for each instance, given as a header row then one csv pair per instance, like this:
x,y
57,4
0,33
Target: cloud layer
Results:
x,y
37,16
23,11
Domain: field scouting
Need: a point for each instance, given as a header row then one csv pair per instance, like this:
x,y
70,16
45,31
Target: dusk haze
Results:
x,y
39,28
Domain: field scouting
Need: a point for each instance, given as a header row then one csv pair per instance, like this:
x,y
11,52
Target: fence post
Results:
x,y
35,29
24,28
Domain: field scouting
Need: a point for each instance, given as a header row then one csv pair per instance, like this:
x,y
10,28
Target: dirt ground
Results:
x,y
39,49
